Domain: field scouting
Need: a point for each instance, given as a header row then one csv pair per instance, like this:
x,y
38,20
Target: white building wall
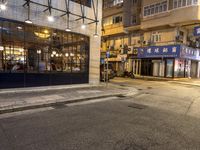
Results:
x,y
16,11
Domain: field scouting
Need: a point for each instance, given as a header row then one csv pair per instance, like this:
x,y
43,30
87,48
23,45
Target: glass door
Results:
x,y
169,68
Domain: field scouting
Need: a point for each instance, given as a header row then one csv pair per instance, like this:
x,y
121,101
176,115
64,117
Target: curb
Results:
x,y
43,89
181,83
35,106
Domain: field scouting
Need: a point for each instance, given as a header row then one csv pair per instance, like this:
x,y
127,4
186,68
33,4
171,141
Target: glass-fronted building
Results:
x,y
37,56
43,53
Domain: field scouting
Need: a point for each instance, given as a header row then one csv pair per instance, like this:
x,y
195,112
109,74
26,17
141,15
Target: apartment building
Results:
x,y
163,37
115,38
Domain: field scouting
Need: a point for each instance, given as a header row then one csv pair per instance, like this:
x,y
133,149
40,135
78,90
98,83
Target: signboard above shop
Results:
x,y
197,31
169,51
159,51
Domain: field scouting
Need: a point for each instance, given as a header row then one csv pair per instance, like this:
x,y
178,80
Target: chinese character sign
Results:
x,y
159,51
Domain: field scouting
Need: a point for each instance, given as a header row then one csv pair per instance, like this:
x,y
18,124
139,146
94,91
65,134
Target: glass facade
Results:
x,y
50,56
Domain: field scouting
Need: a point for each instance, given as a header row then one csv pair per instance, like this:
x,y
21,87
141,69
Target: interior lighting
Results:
x,y
50,18
39,51
1,48
68,29
83,26
96,35
67,55
3,6
28,21
54,52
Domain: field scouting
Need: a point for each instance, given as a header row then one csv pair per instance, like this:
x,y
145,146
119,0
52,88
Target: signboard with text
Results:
x,y
159,51
197,31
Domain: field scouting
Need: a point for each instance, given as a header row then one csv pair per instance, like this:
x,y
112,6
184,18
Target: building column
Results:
x,y
198,69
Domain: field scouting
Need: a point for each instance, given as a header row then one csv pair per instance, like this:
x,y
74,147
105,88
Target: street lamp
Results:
x,y
28,21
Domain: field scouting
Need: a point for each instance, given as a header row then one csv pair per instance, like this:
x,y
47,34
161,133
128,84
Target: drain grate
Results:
x,y
59,105
137,106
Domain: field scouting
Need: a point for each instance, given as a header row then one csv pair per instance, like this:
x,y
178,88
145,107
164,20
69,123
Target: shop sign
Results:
x,y
108,54
197,31
172,51
190,53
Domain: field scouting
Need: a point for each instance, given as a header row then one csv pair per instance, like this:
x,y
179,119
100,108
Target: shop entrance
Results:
x,y
146,67
158,68
193,72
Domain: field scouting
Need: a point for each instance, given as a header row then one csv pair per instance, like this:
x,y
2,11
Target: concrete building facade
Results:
x,y
16,13
161,39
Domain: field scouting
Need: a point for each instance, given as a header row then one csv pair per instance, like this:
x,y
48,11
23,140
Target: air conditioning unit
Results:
x,y
130,49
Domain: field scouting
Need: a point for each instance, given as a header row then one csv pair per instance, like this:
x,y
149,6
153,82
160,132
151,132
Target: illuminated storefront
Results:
x,y
169,61
33,55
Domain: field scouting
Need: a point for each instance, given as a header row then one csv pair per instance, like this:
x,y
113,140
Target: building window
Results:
x,y
83,2
111,3
134,19
183,3
155,8
117,19
155,37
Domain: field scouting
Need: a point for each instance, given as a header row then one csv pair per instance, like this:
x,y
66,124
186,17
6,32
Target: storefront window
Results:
x,y
179,68
33,49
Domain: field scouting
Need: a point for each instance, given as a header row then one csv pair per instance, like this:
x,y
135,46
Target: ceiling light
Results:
x,y
28,21
54,52
1,48
46,31
83,26
39,51
20,28
96,35
68,29
50,18
66,54
3,7
21,50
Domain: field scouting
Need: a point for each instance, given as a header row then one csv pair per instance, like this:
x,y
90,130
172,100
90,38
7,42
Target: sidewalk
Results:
x,y
12,100
183,81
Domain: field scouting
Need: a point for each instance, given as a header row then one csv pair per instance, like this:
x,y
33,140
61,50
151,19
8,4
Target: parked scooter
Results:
x,y
129,74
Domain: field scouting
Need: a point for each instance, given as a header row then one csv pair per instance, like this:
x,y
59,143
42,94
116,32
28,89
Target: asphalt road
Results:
x,y
162,116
